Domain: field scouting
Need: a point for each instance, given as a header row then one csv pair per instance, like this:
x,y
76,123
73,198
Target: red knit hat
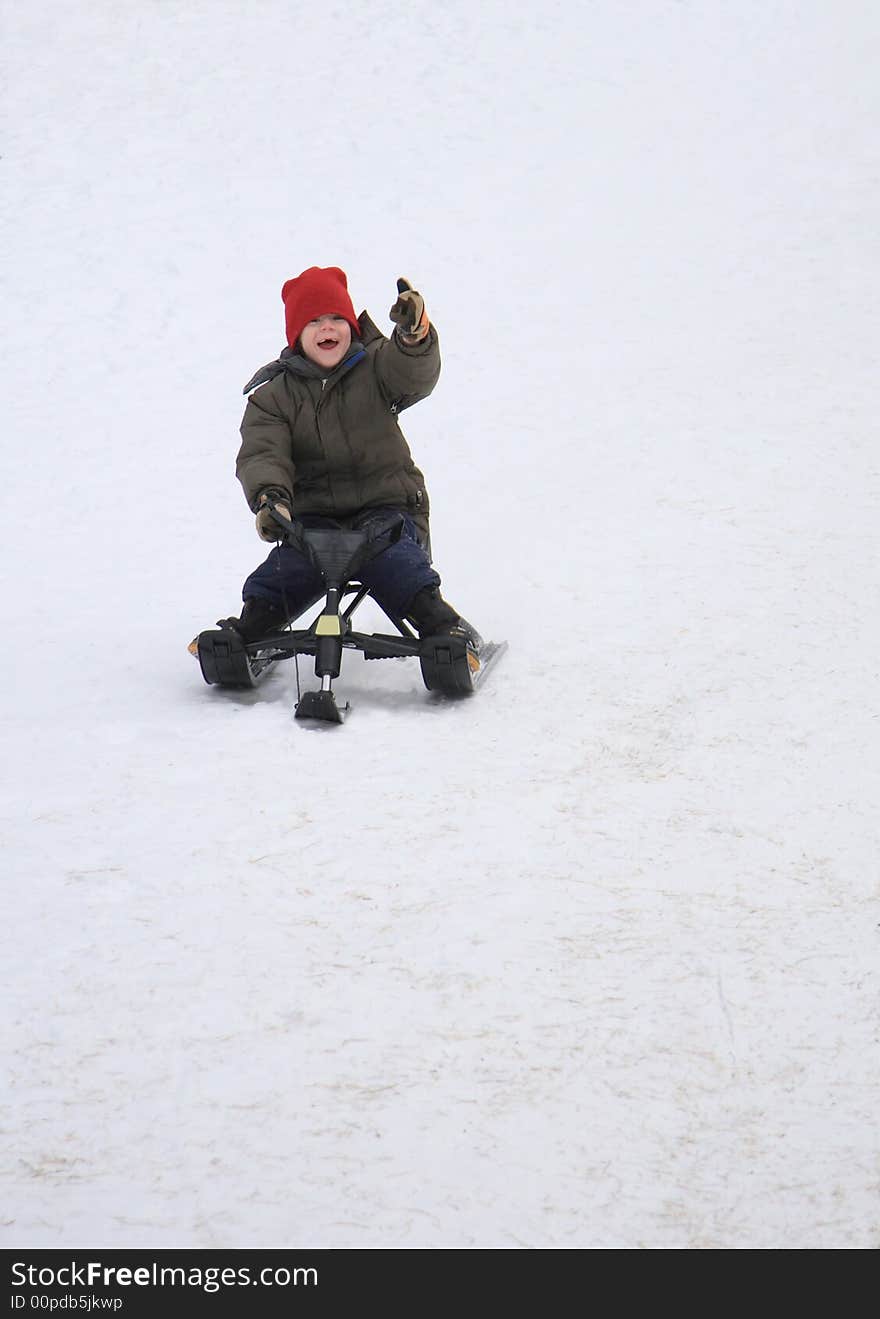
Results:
x,y
316,292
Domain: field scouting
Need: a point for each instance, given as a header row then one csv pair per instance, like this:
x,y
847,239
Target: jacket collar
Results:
x,y
298,365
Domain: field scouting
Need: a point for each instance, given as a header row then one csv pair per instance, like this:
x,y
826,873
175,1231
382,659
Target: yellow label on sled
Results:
x,y
328,625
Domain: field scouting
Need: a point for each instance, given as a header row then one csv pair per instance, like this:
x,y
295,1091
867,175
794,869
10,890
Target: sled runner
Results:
x,y
453,663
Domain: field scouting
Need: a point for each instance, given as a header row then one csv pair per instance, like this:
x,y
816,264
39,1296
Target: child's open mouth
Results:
x,y
328,344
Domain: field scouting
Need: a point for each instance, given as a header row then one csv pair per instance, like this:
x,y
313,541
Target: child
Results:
x,y
320,438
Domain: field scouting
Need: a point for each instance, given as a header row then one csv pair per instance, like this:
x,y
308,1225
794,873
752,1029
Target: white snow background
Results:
x,y
588,960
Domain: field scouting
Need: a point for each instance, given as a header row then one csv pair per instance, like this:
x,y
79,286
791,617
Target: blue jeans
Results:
x,y
290,579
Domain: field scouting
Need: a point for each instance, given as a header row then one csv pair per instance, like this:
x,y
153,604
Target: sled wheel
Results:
x,y
225,661
449,664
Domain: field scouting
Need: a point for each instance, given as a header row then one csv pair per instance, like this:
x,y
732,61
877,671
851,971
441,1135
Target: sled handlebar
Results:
x,y
293,531
372,540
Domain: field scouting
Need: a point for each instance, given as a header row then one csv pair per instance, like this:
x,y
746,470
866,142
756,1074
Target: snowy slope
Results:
x,y
590,960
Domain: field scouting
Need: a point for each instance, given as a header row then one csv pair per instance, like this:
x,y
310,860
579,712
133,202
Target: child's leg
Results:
x,y
405,585
286,581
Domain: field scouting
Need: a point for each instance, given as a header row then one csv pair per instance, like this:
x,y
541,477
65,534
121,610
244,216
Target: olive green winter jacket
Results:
x,y
334,445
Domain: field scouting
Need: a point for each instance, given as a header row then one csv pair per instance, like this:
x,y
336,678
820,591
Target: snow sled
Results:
x,y
453,664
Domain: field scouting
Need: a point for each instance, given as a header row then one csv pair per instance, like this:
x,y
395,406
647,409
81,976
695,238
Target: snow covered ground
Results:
x,y
590,960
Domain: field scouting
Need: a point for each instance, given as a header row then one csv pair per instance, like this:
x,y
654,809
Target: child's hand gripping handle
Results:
x,y
272,515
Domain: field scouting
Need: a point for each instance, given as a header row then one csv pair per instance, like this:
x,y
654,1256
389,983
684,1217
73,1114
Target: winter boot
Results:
x,y
259,617
429,613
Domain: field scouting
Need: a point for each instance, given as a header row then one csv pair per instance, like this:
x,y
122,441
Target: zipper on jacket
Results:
x,y
318,407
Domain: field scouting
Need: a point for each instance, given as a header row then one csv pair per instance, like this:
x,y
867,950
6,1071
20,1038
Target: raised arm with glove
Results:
x,y
409,315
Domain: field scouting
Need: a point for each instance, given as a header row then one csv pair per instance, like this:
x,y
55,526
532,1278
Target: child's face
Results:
x,y
326,340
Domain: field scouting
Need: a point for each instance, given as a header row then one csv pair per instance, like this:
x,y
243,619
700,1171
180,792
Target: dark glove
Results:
x,y
408,313
267,527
